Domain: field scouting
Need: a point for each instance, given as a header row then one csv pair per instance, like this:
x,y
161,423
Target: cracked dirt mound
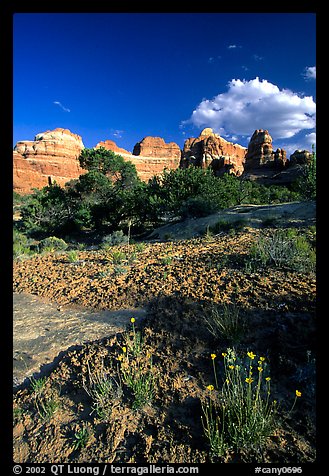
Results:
x,y
176,283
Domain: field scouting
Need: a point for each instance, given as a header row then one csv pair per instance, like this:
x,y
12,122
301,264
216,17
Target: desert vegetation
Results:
x,y
221,370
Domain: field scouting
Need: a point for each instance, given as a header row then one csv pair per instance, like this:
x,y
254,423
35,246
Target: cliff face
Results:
x,y
211,150
52,154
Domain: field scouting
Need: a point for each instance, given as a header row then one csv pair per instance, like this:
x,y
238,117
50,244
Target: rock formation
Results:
x,y
260,152
111,145
52,156
157,147
211,150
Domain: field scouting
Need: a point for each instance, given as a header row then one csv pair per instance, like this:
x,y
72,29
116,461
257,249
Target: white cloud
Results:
x,y
118,133
255,104
310,72
311,138
61,106
233,47
304,142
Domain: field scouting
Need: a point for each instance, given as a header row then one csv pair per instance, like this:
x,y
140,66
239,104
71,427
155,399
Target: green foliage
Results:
x,y
306,185
226,321
52,243
240,415
81,438
49,210
197,207
103,391
21,246
110,194
115,238
107,163
72,256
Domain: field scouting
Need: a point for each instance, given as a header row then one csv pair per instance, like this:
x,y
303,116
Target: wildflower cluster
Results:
x,y
241,414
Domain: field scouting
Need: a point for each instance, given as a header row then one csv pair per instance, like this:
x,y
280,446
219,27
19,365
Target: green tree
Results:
x,y
109,164
306,185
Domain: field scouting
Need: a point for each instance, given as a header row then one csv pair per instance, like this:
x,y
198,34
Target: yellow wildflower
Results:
x,y
260,369
224,354
124,349
249,380
132,320
231,367
251,355
210,387
298,393
268,379
120,357
213,356
262,359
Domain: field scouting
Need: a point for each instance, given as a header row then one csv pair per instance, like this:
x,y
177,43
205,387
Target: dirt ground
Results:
x,y
176,284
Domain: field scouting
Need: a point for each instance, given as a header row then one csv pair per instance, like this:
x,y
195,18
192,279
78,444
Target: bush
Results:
x,y
52,243
306,184
21,246
115,238
197,207
285,249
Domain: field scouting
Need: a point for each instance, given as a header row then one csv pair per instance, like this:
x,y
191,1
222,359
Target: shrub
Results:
x,y
226,321
103,390
228,226
52,243
197,207
285,249
115,238
21,245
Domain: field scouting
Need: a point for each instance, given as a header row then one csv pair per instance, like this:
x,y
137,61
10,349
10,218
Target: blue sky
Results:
x,y
124,76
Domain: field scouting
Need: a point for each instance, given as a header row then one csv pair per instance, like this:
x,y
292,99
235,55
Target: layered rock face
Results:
x,y
211,150
52,156
260,152
157,147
